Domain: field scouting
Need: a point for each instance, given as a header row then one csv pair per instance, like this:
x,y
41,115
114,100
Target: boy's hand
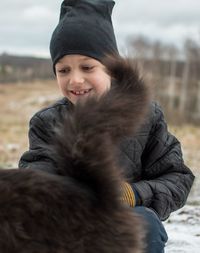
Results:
x,y
128,195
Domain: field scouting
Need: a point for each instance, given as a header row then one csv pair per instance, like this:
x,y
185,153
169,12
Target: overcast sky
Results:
x,y
26,25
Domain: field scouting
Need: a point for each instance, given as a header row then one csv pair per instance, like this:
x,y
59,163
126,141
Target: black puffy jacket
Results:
x,y
152,160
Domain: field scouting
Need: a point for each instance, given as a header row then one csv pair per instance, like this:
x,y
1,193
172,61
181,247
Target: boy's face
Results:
x,y
80,76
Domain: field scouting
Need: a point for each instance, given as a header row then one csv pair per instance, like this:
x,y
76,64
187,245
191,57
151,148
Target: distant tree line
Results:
x,y
174,74
21,69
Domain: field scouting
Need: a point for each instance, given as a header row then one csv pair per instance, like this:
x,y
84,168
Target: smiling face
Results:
x,y
80,76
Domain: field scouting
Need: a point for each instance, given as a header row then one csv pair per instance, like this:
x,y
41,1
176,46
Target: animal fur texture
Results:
x,y
79,210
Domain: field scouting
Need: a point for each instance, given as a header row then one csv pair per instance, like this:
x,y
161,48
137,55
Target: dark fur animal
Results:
x,y
79,210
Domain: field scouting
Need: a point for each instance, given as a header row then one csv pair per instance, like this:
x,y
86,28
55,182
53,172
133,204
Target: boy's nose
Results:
x,y
76,78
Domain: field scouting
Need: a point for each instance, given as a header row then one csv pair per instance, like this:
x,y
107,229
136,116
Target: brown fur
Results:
x,y
79,210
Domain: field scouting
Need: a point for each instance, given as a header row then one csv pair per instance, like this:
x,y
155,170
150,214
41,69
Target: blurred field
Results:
x,y
18,102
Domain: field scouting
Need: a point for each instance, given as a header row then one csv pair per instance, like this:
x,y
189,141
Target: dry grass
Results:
x,y
189,136
18,102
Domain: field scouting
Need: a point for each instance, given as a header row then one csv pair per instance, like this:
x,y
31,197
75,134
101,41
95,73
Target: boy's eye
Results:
x,y
87,68
63,70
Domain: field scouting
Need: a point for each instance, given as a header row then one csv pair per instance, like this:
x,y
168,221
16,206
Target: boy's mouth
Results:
x,y
80,92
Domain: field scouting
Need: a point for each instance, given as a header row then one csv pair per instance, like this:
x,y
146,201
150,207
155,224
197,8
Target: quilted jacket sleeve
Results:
x,y
167,180
39,134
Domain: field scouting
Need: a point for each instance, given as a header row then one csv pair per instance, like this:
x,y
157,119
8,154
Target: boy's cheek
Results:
x,y
62,89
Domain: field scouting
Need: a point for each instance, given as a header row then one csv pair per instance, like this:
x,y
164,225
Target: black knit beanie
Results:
x,y
85,27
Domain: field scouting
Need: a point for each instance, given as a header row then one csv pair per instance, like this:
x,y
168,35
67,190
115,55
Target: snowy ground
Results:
x,y
183,226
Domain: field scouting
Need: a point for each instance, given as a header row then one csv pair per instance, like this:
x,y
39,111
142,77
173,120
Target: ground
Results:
x,y
183,229
18,102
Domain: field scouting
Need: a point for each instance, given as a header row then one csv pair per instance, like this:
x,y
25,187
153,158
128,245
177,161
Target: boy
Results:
x,y
157,182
